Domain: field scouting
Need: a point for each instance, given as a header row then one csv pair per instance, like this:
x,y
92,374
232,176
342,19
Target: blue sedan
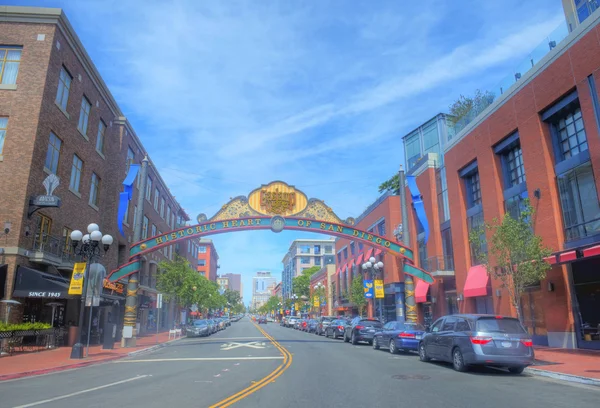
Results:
x,y
398,336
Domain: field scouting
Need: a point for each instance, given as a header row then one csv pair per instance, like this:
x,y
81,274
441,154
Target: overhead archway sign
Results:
x,y
276,206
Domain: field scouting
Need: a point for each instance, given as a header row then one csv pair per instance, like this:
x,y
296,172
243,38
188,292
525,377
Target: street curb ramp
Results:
x,y
82,364
563,377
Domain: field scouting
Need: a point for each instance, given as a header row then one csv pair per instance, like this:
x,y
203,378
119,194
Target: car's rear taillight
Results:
x,y
481,340
527,342
407,336
359,327
340,327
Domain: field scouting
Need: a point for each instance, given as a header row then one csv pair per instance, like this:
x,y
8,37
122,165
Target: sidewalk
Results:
x,y
576,365
47,361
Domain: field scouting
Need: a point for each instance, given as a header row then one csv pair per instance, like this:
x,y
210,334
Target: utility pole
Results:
x,y
410,307
131,301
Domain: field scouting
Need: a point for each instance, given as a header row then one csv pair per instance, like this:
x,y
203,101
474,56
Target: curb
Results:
x,y
43,371
563,377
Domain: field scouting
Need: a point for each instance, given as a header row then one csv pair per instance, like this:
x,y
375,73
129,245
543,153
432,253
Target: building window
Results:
x,y
156,198
202,249
130,158
304,249
317,249
66,239
148,188
515,189
126,215
570,132
381,228
76,173
423,253
345,253
514,166
447,250
515,205
135,213
442,195
329,249
173,220
360,246
412,147
168,214
579,202
95,190
201,262
304,260
100,138
476,223
145,228
473,189
10,58
53,153
84,115
44,230
153,230
431,140
352,248
317,260
3,127
64,84
339,257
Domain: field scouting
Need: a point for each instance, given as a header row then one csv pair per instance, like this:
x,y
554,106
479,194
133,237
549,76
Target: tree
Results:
x,y
517,253
392,185
271,305
301,283
466,107
357,294
232,296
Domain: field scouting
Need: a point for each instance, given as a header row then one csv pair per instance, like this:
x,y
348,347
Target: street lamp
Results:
x,y
294,298
88,247
319,288
375,267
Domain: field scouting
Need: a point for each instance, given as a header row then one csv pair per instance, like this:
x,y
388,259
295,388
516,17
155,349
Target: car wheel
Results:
x,y
375,344
393,348
457,360
346,339
354,341
516,370
423,353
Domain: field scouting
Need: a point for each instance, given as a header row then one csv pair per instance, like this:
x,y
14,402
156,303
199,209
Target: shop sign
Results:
x,y
277,198
116,287
368,288
49,200
379,292
56,295
76,286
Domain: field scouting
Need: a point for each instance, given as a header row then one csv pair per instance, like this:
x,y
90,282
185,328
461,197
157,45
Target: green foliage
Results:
x,y
271,305
393,185
24,326
357,294
232,297
177,280
301,283
469,107
517,253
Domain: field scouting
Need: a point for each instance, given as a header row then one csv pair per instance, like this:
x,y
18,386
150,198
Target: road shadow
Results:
x,y
479,370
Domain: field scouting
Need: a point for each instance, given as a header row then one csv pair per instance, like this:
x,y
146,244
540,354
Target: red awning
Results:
x,y
378,251
421,289
359,259
351,263
342,268
477,280
368,254
593,251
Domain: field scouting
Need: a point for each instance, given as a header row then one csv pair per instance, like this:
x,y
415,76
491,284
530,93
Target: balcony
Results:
x,y
51,250
440,266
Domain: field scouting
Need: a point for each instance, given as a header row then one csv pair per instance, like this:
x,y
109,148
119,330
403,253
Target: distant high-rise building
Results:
x,y
303,254
235,281
262,285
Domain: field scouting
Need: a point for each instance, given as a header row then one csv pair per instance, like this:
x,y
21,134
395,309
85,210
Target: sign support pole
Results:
x,y
410,306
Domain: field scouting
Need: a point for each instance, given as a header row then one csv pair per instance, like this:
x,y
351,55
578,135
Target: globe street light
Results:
x,y
319,288
375,267
294,298
88,247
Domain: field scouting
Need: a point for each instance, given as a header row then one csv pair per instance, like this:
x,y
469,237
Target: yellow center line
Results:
x,y
287,361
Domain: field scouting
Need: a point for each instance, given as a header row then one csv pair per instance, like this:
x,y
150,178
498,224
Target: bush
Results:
x,y
24,326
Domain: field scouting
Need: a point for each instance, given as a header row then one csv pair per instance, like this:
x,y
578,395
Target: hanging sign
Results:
x,y
379,292
368,288
316,301
76,286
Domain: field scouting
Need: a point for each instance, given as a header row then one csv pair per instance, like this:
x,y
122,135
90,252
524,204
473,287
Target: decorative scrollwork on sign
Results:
x,y
236,208
318,210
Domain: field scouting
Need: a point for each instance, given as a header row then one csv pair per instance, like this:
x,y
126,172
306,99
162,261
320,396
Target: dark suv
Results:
x,y
361,329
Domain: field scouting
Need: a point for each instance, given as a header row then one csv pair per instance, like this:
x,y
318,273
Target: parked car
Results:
x,y
398,336
323,322
262,320
311,326
199,328
361,329
298,323
336,328
212,326
303,325
292,320
466,340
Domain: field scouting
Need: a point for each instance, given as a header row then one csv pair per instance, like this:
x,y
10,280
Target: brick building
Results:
x,y
58,117
380,218
538,139
208,259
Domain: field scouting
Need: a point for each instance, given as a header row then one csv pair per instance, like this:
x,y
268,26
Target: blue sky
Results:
x,y
229,95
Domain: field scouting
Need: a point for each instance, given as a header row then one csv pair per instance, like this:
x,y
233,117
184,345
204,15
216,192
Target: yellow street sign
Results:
x,y
76,286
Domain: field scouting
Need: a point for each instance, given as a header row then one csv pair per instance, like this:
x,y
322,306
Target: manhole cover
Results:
x,y
410,377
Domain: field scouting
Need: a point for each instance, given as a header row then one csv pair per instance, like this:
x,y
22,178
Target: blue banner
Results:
x,y
368,288
418,204
125,196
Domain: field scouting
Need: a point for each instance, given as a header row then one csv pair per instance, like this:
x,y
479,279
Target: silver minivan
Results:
x,y
472,339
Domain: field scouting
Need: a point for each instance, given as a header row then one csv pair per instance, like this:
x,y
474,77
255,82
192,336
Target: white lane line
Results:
x,y
227,338
33,404
161,360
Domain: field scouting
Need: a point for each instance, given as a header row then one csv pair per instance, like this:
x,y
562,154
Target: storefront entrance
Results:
x,y
586,292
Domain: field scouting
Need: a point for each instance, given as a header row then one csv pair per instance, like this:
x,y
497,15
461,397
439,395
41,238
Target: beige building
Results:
x,y
303,254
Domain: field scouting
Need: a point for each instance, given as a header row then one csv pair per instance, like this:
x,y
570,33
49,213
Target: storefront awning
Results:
x,y
30,283
477,281
351,263
421,289
359,259
368,254
342,268
378,252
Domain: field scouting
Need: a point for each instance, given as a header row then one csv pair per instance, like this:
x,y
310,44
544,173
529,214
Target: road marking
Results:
x,y
287,361
210,382
162,360
252,344
229,338
33,404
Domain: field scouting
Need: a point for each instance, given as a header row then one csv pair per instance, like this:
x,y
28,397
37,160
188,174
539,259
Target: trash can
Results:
x,y
108,342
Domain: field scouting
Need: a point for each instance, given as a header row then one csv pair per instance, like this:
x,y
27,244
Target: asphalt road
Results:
x,y
312,371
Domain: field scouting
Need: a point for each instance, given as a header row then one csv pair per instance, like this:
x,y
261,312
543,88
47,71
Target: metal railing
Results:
x,y
53,246
439,263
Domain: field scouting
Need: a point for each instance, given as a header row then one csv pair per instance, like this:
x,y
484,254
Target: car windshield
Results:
x,y
370,323
200,323
499,325
410,326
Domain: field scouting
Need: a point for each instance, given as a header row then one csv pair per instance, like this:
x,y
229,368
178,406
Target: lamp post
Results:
x,y
374,268
319,289
88,247
294,298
